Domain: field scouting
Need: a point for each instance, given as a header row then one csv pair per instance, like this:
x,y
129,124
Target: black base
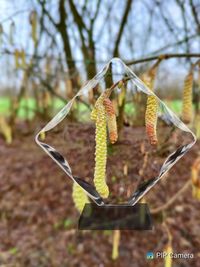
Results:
x,y
113,217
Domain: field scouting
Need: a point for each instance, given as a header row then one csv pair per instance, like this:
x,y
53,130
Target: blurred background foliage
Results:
x,y
49,50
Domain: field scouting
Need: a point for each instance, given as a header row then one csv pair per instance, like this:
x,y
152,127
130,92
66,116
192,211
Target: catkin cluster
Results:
x,y
196,179
99,116
187,112
151,114
79,197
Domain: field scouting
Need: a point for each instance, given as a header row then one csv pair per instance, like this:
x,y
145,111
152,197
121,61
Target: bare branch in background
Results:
x,y
180,42
122,25
173,199
62,27
163,57
195,15
166,20
185,27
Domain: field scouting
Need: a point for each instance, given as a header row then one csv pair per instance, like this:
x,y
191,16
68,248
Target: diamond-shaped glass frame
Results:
x,y
170,117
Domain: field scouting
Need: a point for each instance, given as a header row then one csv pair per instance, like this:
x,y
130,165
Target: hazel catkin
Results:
x,y
79,197
111,120
195,175
151,114
99,116
187,112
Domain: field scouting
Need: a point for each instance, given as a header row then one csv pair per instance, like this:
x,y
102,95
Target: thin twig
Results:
x,y
163,57
172,199
129,62
109,90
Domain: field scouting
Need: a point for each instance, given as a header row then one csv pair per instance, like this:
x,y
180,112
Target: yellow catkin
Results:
x,y
116,241
122,94
6,130
79,197
99,116
42,136
93,114
111,120
16,55
46,99
23,59
33,22
195,175
187,112
168,248
142,212
151,114
197,125
151,119
168,258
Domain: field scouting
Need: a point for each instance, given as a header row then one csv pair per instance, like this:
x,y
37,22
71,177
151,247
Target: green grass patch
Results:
x,y
28,107
130,109
4,105
175,105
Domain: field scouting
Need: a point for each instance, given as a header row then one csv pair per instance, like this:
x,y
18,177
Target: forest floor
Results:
x,y
38,219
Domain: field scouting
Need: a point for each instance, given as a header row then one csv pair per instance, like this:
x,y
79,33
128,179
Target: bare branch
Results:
x,y
195,15
182,41
163,57
121,29
172,199
77,16
44,10
183,14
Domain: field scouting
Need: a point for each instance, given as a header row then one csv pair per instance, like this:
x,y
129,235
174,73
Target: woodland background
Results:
x,y
49,49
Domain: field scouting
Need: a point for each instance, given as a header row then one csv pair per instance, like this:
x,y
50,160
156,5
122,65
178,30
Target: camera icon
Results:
x,y
149,255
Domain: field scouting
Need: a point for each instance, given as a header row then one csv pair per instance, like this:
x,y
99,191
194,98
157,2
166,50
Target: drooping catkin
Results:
x,y
197,125
99,116
16,55
195,175
79,197
23,58
187,112
111,120
122,94
151,114
151,119
6,130
116,241
33,22
168,248
168,259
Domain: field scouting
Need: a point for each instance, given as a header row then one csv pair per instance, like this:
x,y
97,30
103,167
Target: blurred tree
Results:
x,y
77,37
